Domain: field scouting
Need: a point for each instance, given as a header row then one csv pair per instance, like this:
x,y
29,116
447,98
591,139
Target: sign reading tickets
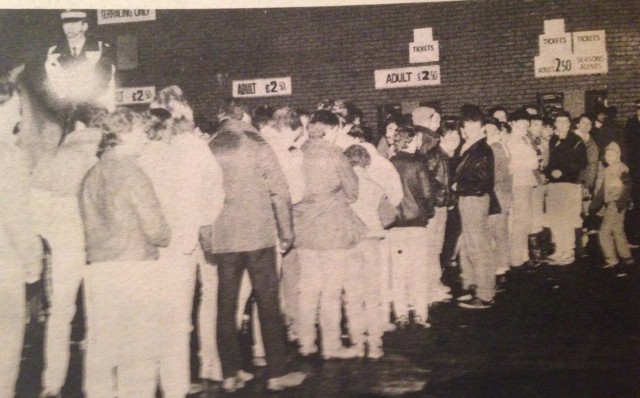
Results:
x,y
125,15
570,54
135,95
424,48
418,76
272,87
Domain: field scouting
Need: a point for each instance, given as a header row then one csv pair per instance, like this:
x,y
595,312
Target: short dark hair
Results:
x,y
357,132
470,113
498,108
491,120
535,117
562,113
324,117
520,114
358,156
353,112
262,115
404,134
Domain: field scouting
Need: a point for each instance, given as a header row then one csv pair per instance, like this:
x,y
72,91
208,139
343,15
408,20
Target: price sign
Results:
x,y
271,87
407,77
135,95
570,65
570,54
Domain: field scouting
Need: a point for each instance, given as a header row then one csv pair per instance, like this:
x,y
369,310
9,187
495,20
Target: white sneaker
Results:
x,y
343,353
375,352
466,297
291,379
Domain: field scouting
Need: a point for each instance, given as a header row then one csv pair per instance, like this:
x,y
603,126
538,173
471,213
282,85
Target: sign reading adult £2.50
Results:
x,y
125,15
417,76
135,95
272,87
570,54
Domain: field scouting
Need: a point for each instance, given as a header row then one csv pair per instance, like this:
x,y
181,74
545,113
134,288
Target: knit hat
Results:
x,y
613,146
422,116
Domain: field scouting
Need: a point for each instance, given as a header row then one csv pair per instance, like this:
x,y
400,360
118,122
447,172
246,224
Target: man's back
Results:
x,y
254,187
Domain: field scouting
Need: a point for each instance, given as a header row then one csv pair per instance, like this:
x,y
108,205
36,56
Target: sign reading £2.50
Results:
x,y
570,54
125,15
416,76
272,87
135,95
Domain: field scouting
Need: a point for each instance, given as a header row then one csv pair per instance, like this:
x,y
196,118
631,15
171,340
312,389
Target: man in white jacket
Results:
x,y
188,183
523,164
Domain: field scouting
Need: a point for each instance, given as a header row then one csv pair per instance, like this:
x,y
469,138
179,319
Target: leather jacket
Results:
x,y
417,205
437,163
475,174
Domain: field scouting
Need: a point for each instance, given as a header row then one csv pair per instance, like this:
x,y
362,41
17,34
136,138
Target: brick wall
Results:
x,y
487,50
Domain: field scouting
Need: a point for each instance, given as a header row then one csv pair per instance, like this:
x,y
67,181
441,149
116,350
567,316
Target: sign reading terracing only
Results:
x,y
424,48
272,87
125,15
135,95
417,76
570,54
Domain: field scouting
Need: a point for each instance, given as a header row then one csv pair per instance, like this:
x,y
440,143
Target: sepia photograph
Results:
x,y
320,198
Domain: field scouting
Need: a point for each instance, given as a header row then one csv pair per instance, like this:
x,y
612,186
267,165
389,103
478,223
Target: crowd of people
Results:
x,y
305,211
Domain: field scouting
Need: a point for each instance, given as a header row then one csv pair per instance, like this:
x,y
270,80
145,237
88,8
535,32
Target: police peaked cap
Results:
x,y
73,15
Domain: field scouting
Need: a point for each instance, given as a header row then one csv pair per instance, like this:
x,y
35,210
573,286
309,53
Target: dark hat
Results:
x,y
73,15
160,113
520,114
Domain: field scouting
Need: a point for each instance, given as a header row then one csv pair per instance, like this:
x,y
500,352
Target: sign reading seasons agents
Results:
x,y
125,15
570,54
271,87
417,76
424,48
135,95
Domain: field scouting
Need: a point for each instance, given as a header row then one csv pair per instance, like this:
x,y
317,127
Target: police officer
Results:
x,y
80,69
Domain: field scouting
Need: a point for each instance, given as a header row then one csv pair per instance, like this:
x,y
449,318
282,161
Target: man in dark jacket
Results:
x,y
409,239
256,212
567,160
474,184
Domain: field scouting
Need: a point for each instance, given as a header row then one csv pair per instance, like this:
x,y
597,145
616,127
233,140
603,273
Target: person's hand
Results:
x,y
556,174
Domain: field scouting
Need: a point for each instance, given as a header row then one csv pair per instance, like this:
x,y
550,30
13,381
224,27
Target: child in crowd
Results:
x,y
611,201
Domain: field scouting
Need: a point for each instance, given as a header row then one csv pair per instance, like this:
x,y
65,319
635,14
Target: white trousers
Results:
x,y
521,224
63,228
210,367
362,288
322,275
122,314
435,239
12,324
410,272
174,302
564,206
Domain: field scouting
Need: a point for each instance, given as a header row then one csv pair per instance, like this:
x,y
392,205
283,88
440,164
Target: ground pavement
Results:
x,y
569,331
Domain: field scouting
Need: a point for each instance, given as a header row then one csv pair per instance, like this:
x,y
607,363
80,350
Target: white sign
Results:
x,y
589,42
272,87
424,52
571,65
135,95
125,15
570,54
555,44
423,35
417,76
